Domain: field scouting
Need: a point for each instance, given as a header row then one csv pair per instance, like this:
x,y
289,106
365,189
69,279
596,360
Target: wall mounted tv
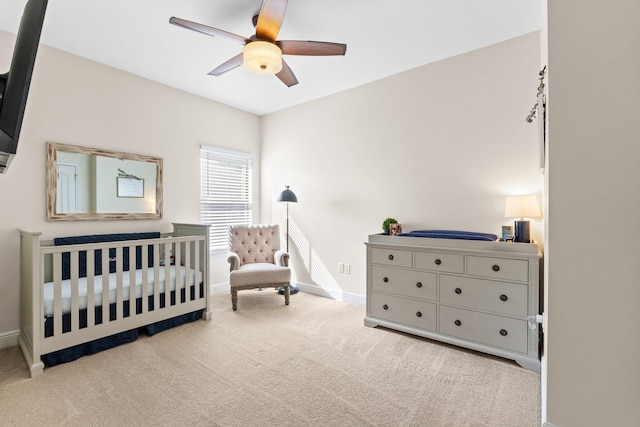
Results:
x,y
14,85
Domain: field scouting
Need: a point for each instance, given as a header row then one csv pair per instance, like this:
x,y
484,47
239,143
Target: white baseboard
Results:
x,y
546,424
223,288
355,299
9,339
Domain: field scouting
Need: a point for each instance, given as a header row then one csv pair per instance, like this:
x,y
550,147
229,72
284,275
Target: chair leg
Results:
x,y
234,300
287,292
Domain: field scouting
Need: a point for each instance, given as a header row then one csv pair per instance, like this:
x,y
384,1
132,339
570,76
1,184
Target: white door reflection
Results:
x,y
67,188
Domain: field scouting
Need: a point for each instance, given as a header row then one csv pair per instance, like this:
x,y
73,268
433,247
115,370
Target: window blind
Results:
x,y
225,193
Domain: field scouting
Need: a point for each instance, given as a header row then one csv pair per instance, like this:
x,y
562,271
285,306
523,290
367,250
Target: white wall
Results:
x,y
79,102
592,250
436,147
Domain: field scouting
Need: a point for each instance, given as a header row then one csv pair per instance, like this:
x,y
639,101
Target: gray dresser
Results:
x,y
475,294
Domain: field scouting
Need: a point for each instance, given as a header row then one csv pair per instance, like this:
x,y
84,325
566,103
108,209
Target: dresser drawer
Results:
x,y
410,283
498,297
503,332
396,257
498,268
449,263
419,314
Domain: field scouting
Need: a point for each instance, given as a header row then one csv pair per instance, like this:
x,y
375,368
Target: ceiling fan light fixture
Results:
x,y
262,52
261,57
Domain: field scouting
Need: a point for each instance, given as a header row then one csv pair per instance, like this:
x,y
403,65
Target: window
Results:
x,y
225,193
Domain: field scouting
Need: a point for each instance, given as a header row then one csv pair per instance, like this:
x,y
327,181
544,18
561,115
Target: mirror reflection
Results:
x,y
90,183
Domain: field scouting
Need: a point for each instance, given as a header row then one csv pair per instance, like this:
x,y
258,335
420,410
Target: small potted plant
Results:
x,y
389,229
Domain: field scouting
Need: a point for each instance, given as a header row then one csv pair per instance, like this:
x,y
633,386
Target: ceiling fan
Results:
x,y
262,53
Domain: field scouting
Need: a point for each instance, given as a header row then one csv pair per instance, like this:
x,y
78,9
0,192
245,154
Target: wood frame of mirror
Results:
x,y
53,149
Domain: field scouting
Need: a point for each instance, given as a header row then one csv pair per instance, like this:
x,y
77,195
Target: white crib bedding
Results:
x,y
194,277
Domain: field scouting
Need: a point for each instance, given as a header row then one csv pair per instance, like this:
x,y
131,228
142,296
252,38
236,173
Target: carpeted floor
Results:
x,y
312,363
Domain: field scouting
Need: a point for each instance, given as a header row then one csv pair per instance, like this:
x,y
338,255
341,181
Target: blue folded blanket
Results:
x,y
451,234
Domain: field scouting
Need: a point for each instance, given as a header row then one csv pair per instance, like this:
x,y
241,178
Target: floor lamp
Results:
x,y
287,196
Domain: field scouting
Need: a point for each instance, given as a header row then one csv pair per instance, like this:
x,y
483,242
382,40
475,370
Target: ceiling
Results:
x,y
383,38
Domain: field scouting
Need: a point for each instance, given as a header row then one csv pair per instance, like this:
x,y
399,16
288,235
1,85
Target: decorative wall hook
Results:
x,y
123,174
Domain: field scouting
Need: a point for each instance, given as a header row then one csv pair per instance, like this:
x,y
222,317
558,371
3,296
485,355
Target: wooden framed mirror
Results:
x,y
94,184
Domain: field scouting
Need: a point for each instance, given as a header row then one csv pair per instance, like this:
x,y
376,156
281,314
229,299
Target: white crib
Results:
x,y
174,282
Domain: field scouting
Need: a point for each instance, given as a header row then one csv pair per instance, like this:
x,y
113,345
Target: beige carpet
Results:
x,y
312,363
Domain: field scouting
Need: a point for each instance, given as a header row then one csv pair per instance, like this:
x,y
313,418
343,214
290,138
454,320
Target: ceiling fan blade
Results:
x,y
210,31
234,62
300,47
270,19
286,75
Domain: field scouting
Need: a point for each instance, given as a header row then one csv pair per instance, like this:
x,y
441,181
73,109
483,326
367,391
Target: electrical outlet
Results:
x,y
347,268
340,267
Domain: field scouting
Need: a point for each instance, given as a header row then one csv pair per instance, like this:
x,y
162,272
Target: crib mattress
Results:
x,y
194,277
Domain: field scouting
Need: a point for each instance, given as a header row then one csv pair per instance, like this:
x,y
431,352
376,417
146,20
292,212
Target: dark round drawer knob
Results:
x,y
457,322
386,307
385,280
419,284
390,257
458,291
503,332
503,297
495,267
438,261
419,314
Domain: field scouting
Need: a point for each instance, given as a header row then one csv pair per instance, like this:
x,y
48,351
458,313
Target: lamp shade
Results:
x,y
522,207
287,196
262,57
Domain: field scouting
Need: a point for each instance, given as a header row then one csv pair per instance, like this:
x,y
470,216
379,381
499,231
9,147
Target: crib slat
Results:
x,y
196,269
187,270
156,274
178,260
169,249
119,292
91,312
57,294
105,286
75,309
132,281
37,326
145,277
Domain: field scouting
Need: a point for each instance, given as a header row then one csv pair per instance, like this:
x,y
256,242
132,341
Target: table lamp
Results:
x,y
522,207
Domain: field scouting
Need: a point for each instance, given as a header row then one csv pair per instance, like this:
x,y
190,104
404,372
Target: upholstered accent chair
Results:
x,y
256,260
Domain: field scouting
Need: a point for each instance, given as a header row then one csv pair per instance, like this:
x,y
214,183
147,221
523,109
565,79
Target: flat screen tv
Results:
x,y
14,85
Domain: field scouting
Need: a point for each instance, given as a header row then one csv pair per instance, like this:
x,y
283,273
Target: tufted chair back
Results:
x,y
254,243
